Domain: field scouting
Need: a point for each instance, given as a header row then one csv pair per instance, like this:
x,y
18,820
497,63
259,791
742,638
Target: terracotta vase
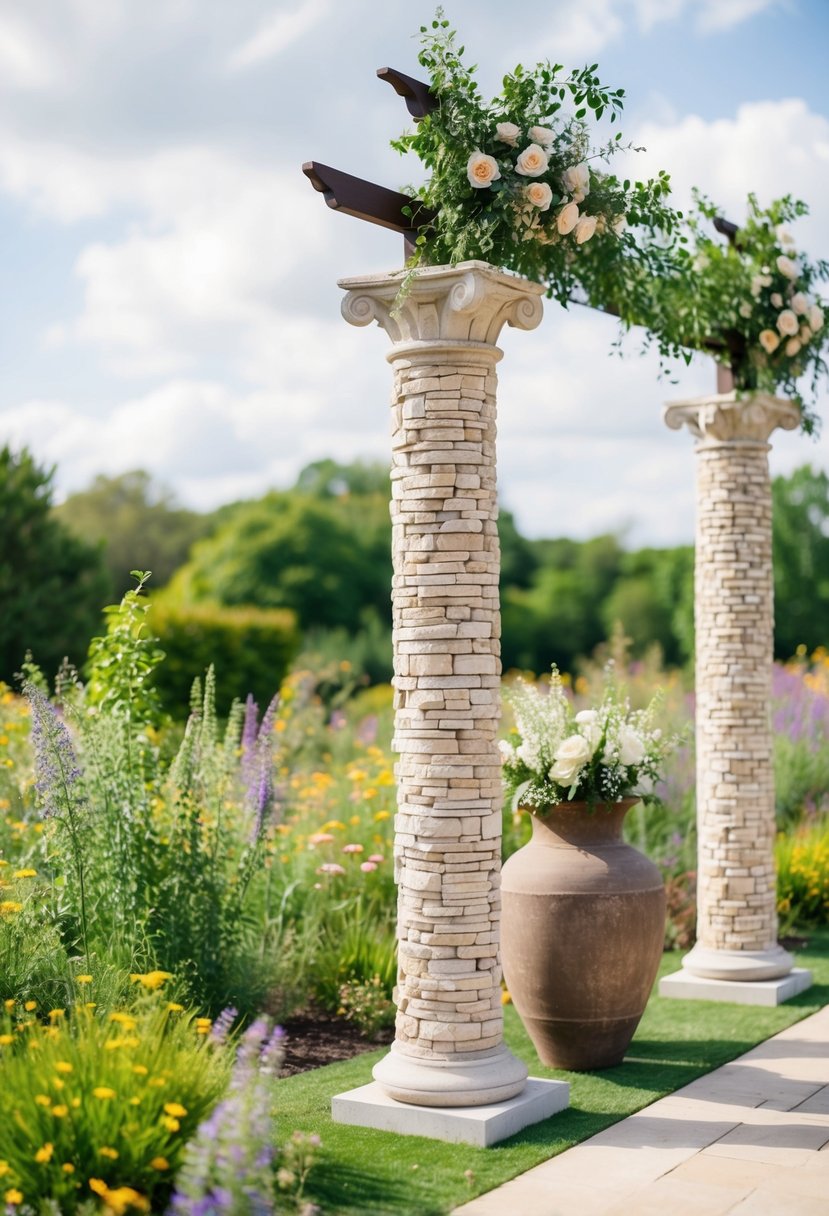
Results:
x,y
582,934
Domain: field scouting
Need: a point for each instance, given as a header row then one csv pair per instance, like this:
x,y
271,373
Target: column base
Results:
x,y
495,1077
740,965
686,987
482,1126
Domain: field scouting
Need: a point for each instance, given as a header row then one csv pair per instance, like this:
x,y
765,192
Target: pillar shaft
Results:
x,y
448,1047
734,620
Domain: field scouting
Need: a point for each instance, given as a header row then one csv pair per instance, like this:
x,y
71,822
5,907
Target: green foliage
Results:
x,y
51,582
104,1100
535,216
368,1005
750,301
249,649
136,523
800,528
326,559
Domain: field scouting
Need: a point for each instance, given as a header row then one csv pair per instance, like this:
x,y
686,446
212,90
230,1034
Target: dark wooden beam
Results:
x,y
367,201
419,98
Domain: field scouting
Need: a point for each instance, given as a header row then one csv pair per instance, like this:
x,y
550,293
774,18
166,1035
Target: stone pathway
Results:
x,y
749,1139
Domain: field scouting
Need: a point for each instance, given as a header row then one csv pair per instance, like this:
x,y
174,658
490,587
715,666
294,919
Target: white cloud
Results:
x,y
276,33
719,15
26,60
577,31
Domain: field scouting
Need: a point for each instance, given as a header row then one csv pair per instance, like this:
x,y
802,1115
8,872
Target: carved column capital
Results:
x,y
470,302
727,418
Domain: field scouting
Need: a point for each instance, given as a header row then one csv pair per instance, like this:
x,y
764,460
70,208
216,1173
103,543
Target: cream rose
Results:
x,y
784,236
776,300
793,347
507,133
576,180
815,318
800,303
756,285
543,136
585,228
806,334
786,266
587,721
532,162
788,323
570,758
567,218
482,170
631,747
745,309
769,341
539,194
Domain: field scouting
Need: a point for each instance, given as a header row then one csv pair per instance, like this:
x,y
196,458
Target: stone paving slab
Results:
x,y
749,1139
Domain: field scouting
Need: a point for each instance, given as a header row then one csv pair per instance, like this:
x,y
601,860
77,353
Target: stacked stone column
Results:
x,y
734,619
448,1049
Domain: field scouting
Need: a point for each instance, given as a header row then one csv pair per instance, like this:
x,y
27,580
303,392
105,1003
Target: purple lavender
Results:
x,y
229,1164
260,796
224,1023
58,774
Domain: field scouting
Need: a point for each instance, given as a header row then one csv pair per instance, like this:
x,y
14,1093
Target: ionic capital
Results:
x,y
727,418
470,302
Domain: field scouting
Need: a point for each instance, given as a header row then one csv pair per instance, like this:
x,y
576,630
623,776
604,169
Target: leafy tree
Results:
x,y
52,583
137,522
801,560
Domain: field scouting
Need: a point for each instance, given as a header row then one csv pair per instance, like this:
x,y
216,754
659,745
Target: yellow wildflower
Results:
x,y
44,1155
5,1168
60,1112
25,873
43,1100
140,1070
63,1066
68,1167
56,1014
30,1005
84,979
152,979
104,1092
175,1109
8,1003
13,1197
160,1163
172,1125
9,905
111,1153
6,1039
175,1008
123,1198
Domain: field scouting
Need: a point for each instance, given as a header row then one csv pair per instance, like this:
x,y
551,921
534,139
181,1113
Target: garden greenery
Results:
x,y
517,182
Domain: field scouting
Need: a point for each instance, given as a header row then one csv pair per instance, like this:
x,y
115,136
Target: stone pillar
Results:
x,y
449,1048
734,615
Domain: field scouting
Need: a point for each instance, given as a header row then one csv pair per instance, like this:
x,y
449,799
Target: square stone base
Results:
x,y
688,987
482,1126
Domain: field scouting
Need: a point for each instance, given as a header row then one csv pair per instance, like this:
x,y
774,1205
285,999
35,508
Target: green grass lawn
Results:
x,y
368,1173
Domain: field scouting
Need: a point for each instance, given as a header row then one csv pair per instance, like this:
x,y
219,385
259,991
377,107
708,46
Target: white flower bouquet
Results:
x,y
555,754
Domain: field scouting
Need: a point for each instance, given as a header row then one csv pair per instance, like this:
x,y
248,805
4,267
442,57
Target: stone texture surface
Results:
x,y
734,624
446,632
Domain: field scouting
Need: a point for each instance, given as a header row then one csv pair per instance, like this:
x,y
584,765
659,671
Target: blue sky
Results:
x,y
171,297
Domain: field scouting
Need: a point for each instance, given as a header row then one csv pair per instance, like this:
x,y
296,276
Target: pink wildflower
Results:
x,y
352,848
368,866
330,867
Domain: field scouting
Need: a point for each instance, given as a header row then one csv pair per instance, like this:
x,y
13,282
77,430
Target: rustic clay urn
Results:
x,y
582,934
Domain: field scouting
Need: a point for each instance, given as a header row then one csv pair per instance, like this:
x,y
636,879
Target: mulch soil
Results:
x,y
315,1038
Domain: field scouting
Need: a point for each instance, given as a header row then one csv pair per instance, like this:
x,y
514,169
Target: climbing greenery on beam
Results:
x,y
517,183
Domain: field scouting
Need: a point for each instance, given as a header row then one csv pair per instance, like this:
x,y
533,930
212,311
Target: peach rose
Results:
x,y
482,170
769,341
543,136
539,194
507,133
585,228
577,180
532,162
788,323
567,218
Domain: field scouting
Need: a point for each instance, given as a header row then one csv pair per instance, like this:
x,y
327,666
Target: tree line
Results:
x,y
317,556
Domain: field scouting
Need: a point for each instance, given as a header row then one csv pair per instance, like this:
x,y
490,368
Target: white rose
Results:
x,y
788,323
756,285
532,162
539,194
507,751
570,758
587,721
543,136
507,133
631,747
816,318
482,170
745,310
800,303
793,347
776,299
765,280
567,218
584,229
769,341
577,180
786,266
784,236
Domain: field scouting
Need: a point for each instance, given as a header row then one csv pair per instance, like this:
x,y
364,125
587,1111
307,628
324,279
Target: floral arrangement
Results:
x,y
517,183
556,754
750,301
